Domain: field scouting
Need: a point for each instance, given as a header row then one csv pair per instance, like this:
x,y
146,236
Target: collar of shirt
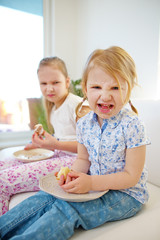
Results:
x,y
111,122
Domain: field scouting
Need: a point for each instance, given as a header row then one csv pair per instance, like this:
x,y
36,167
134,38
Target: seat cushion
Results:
x,y
19,197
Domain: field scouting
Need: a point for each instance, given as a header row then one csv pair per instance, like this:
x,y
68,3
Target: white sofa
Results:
x,y
146,224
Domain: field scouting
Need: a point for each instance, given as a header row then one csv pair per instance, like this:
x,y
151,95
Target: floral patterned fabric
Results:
x,y
16,177
107,145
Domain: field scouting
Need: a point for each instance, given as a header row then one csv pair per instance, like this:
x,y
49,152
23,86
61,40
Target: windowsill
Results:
x,y
11,139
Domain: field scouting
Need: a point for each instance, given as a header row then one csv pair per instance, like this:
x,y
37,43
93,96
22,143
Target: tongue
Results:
x,y
105,107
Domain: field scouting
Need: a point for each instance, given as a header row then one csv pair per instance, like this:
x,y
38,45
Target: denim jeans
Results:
x,y
45,217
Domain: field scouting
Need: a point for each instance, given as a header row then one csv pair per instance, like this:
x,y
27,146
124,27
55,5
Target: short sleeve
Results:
x,y
79,132
135,134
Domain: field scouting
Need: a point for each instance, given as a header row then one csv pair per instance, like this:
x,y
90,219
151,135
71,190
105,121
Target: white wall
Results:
x,y
81,26
60,31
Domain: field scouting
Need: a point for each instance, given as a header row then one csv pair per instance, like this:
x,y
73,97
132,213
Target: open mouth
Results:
x,y
105,107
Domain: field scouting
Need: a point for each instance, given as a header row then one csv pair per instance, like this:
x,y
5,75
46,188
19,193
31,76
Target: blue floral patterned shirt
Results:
x,y
106,145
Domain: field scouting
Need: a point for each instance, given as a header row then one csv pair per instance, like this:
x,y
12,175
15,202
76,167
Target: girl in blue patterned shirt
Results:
x,y
111,156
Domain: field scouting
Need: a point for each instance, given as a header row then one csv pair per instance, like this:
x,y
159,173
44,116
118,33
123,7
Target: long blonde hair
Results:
x,y
55,63
115,61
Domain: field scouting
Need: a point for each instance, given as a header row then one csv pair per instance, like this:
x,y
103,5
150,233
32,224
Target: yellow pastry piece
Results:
x,y
63,171
38,128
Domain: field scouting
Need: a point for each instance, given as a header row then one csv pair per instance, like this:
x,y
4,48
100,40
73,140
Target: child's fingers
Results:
x,y
69,186
37,140
73,174
36,137
33,136
46,134
30,146
61,180
68,179
73,178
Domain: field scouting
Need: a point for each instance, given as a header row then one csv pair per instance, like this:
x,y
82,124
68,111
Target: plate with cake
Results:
x,y
33,155
49,184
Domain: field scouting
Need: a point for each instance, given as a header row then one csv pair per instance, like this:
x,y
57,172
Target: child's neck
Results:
x,y
61,101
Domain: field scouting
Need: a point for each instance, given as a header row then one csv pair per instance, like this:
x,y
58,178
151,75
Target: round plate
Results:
x,y
32,155
50,185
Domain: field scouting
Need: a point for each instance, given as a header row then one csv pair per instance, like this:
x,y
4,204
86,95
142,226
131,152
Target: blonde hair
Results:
x,y
55,63
115,61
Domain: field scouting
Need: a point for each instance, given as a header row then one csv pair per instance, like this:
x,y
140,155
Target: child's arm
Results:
x,y
80,166
135,159
51,143
82,163
70,146
78,172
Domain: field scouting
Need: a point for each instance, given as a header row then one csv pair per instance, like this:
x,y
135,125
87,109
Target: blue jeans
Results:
x,y
42,216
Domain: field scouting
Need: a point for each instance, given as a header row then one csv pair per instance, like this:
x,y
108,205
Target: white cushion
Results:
x,y
149,111
19,197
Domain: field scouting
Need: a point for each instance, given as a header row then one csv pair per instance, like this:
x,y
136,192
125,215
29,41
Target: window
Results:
x,y
21,48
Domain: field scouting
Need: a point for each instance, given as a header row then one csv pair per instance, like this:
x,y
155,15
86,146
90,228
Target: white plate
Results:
x,y
32,155
50,185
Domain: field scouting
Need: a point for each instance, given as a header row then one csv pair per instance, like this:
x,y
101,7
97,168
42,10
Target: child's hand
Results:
x,y
31,146
47,142
62,180
77,183
34,144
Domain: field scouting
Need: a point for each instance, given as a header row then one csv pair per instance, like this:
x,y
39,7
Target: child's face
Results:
x,y
53,84
103,93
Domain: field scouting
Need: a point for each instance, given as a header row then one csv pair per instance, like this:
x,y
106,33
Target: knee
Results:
x,y
43,196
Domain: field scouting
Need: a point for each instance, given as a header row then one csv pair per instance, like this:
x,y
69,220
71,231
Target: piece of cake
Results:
x,y
38,128
63,171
